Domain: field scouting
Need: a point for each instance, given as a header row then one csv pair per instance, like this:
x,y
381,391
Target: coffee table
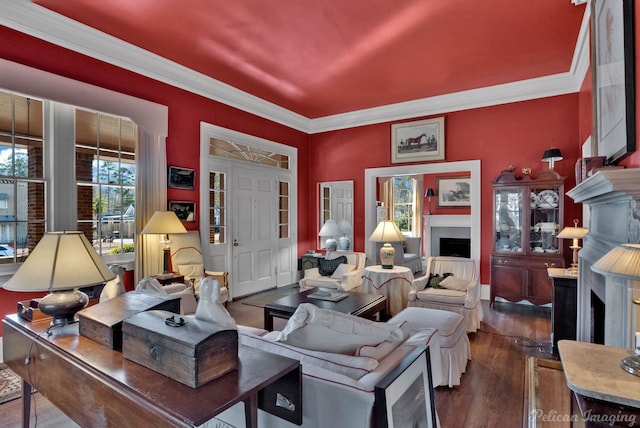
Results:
x,y
359,304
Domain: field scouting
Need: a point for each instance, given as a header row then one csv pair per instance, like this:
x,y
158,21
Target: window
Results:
x,y
22,183
103,161
217,208
105,164
404,207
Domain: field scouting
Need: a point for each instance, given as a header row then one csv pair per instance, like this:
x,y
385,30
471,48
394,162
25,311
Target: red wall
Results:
x,y
499,136
186,110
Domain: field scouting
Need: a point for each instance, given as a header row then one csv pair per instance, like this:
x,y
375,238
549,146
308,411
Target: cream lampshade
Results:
x,y
163,223
387,231
623,262
330,229
61,263
574,233
344,243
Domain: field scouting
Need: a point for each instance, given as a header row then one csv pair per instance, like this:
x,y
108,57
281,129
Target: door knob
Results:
x,y
235,243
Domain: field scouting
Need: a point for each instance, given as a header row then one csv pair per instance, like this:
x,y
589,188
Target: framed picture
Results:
x,y
422,140
186,211
613,78
181,178
405,397
454,191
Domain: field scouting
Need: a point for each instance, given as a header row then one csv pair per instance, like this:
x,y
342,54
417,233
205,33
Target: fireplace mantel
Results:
x,y
444,221
612,197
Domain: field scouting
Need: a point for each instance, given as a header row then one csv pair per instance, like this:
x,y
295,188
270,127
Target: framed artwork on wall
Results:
x,y
405,397
181,178
422,140
185,210
453,191
613,78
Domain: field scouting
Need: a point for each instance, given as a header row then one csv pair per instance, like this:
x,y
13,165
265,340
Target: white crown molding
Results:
x,y
29,18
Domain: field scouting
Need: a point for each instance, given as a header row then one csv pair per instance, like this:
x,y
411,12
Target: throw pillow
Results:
x,y
453,283
342,269
433,281
327,267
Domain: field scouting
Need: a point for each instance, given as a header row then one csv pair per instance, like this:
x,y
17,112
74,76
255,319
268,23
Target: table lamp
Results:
x,y
574,233
61,263
163,223
551,156
330,229
429,193
344,243
387,231
623,262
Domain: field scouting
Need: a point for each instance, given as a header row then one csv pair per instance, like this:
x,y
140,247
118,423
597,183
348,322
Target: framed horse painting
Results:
x,y
422,140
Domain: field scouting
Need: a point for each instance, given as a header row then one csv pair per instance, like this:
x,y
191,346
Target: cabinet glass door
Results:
x,y
545,220
509,218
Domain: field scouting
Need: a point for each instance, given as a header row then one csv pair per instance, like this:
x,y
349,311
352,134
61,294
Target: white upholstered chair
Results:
x,y
187,260
348,281
462,297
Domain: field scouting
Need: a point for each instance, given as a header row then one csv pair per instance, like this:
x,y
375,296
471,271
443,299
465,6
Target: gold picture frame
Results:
x,y
421,140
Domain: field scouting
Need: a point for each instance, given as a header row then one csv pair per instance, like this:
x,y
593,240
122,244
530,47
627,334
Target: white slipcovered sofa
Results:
x,y
337,389
347,277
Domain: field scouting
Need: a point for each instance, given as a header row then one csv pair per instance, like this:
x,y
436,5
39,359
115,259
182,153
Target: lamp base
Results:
x,y
387,256
573,269
344,243
62,306
331,244
631,364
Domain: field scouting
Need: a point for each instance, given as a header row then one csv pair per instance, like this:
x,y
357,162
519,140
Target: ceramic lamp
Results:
x,y
329,230
344,243
387,231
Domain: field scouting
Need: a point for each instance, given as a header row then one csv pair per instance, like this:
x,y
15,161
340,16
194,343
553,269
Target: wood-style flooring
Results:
x,y
491,393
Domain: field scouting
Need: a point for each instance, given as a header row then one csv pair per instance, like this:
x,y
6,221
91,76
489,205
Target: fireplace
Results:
x,y
605,311
458,247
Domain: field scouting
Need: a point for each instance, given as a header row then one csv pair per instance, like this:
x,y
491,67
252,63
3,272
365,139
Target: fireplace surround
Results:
x,y
612,198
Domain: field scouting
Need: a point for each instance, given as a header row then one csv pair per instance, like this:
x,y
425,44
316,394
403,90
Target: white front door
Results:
x,y
254,236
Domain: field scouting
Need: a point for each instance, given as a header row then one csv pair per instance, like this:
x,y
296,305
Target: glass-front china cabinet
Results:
x,y
527,216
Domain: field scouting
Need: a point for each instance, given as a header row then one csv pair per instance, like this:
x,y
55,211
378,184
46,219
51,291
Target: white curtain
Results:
x,y
151,196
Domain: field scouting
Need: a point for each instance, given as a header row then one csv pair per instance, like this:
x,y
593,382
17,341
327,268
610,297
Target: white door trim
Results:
x,y
208,131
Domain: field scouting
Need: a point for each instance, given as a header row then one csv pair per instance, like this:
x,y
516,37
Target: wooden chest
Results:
x,y
193,353
103,322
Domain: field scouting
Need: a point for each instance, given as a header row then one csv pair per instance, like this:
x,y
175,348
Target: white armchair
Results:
x,y
187,259
341,280
460,295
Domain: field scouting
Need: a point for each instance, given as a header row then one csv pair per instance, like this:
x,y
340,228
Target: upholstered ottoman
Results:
x,y
454,344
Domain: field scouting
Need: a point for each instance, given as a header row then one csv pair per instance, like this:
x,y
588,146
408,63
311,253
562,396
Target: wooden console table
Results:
x,y
97,387
602,390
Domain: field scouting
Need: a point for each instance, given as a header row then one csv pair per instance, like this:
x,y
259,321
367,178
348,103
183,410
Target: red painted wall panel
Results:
x,y
513,134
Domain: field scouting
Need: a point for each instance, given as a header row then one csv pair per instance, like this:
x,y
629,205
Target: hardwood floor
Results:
x,y
491,393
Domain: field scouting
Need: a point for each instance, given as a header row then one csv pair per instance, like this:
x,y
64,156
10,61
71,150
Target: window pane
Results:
x,y
22,188
217,211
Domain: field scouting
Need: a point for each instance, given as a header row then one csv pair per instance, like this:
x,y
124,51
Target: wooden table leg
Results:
x,y
251,411
26,403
